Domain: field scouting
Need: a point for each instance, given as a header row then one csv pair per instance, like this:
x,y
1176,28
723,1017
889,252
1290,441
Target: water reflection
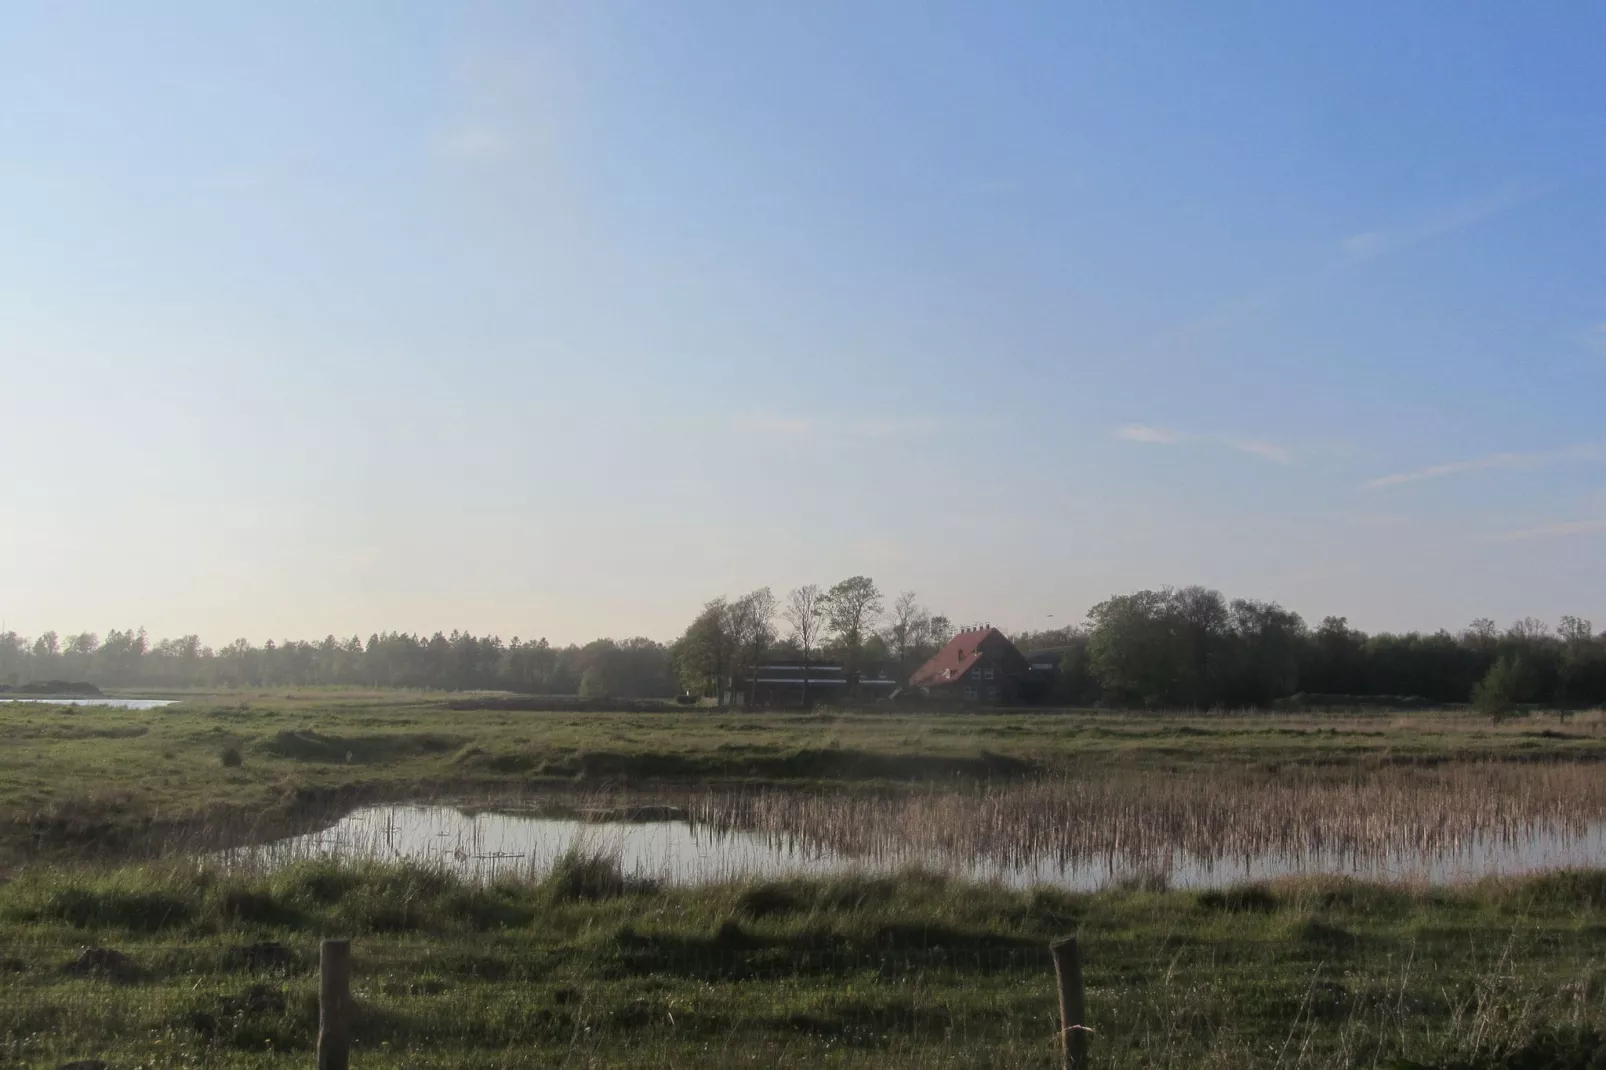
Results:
x,y
483,845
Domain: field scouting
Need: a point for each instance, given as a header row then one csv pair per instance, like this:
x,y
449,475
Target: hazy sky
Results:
x,y
559,319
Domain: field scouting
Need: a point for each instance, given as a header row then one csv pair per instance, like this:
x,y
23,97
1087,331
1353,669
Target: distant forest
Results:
x,y
1175,647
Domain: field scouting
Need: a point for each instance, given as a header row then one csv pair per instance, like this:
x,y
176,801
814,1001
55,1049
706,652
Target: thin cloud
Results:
x,y
1159,436
1584,451
1165,436
1595,338
765,422
1269,450
1226,315
1367,243
477,142
769,423
1457,217
1362,246
893,427
1551,531
881,551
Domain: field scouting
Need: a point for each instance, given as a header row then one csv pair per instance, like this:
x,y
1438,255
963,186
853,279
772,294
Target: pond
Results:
x,y
113,703
681,850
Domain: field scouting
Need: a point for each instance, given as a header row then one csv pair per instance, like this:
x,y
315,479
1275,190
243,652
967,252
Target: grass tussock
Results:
x,y
584,875
312,897
1243,899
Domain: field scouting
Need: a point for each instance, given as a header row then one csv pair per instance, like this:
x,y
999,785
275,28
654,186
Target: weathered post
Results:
x,y
1073,1030
334,1005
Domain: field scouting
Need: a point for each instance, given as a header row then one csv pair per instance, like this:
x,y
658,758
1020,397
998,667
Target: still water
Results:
x,y
114,703
481,845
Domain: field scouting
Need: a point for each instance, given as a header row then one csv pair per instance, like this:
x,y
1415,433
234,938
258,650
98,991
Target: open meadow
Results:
x,y
699,887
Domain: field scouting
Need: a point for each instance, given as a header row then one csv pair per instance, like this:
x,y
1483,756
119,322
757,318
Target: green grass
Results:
x,y
88,778
585,968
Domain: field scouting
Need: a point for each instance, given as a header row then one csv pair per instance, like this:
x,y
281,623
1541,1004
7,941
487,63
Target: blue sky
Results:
x,y
559,319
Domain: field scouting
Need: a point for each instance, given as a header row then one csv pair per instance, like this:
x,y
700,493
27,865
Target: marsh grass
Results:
x,y
304,753
904,970
1141,826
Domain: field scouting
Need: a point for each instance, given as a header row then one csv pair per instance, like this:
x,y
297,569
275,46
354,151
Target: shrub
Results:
x,y
231,757
1497,693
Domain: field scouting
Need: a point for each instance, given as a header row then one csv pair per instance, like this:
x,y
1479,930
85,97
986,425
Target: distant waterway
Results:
x,y
85,700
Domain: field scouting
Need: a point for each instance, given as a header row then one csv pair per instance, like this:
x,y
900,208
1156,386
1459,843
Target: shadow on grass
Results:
x,y
142,912
1553,1049
734,952
307,745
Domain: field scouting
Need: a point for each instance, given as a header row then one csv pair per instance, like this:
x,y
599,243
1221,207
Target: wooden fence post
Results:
x,y
1073,1031
334,1005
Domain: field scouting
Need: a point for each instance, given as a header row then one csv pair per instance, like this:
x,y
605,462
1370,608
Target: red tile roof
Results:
x,y
952,662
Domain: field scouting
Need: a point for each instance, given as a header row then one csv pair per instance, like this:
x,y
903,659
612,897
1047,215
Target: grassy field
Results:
x,y
584,969
588,967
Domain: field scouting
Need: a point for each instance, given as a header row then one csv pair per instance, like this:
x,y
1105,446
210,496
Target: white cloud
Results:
x,y
1165,436
769,423
1584,451
477,142
1144,433
1269,450
1575,527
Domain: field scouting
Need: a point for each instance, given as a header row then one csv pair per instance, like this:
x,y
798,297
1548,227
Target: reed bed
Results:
x,y
1392,820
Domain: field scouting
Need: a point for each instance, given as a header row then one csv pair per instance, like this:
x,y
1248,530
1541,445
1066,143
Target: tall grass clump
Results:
x,y
584,874
136,899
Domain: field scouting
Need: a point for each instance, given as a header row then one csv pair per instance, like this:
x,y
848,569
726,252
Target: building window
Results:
x,y
970,692
975,674
989,672
992,692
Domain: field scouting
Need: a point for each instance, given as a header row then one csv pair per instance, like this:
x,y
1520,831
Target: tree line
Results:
x,y
1191,647
459,661
849,622
1174,647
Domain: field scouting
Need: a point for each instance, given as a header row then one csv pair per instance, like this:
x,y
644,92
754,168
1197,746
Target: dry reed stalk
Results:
x,y
1356,819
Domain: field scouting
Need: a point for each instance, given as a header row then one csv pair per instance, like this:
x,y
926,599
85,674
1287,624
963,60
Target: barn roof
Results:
x,y
951,662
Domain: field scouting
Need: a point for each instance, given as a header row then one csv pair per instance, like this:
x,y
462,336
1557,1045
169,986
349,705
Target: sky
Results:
x,y
559,319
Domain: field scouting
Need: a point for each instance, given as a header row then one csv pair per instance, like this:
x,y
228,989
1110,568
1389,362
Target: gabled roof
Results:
x,y
954,660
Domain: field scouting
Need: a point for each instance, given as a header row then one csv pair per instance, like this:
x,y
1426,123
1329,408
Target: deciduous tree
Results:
x,y
804,612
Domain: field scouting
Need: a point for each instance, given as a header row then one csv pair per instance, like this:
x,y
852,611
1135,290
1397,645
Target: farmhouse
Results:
x,y
979,665
781,684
